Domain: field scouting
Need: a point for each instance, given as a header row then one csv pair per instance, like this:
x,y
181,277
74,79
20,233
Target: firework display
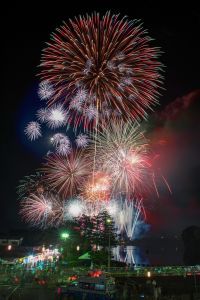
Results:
x,y
82,141
102,68
42,211
100,76
45,90
123,154
97,188
34,183
56,117
75,208
33,130
67,173
126,215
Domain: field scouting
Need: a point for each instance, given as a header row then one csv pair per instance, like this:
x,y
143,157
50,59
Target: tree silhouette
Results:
x,y
191,240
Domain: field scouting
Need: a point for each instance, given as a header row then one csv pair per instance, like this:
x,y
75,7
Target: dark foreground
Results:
x,y
176,288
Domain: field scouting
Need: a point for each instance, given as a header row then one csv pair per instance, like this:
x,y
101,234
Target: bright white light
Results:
x,y
30,257
49,208
112,209
57,117
148,274
134,158
75,209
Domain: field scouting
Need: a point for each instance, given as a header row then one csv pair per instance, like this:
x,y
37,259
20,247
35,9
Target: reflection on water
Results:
x,y
151,252
130,255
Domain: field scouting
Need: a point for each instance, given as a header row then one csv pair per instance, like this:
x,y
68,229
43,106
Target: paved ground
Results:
x,y
27,291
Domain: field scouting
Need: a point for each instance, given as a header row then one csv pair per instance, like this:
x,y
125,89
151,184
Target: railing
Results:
x,y
22,275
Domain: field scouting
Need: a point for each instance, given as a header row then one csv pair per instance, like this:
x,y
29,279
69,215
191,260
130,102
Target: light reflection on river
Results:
x,y
130,255
153,252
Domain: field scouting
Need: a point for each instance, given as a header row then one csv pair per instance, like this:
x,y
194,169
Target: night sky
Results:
x,y
174,128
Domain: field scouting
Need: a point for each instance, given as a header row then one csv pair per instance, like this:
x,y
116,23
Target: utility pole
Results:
x,y
108,222
195,279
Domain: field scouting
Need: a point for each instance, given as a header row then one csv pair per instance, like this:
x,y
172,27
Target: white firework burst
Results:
x,y
81,95
75,104
63,149
111,65
65,140
42,114
77,207
57,138
73,209
91,112
45,90
57,117
33,130
82,140
126,81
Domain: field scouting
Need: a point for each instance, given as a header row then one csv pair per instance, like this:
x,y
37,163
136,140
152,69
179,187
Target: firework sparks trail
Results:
x,y
157,175
167,184
126,215
33,131
94,62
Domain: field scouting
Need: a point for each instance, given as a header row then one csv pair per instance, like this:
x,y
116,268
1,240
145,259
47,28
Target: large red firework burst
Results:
x,y
102,68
